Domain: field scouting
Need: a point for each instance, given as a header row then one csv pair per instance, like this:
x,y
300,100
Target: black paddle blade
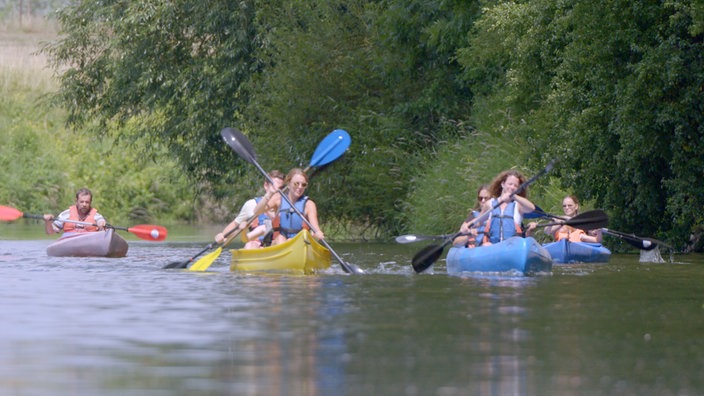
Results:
x,y
353,269
426,257
239,143
638,242
590,220
177,264
646,244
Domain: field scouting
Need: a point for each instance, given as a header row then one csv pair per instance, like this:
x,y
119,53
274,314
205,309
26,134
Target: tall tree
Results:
x,y
286,72
177,65
385,71
614,88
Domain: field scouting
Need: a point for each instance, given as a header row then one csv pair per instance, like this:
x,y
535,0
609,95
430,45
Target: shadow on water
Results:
x,y
128,327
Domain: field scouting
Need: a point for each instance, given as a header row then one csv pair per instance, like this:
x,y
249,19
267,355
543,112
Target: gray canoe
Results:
x,y
89,244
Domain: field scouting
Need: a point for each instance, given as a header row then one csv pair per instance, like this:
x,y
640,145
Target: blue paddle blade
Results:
x,y
331,148
538,213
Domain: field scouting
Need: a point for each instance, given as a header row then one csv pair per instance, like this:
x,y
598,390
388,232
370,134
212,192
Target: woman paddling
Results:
x,y
507,207
570,207
475,232
290,223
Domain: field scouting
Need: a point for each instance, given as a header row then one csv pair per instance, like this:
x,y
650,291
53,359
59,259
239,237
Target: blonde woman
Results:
x,y
570,207
290,222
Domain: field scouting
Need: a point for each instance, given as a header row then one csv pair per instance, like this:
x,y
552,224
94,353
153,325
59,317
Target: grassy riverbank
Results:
x,y
43,163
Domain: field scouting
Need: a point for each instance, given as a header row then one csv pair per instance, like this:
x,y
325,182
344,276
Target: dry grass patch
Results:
x,y
21,62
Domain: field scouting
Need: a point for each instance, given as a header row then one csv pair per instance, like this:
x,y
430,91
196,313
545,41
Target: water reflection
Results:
x,y
501,369
128,327
283,351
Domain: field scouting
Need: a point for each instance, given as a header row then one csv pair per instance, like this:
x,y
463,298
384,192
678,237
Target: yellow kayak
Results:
x,y
301,254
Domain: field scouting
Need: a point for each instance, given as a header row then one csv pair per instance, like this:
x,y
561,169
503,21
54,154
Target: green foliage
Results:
x,y
184,61
616,96
611,88
448,191
30,171
382,71
42,164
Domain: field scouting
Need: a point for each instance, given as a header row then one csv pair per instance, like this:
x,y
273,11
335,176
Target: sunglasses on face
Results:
x,y
480,198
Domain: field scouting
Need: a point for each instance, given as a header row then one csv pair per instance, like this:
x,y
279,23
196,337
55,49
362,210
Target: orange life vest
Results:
x,y
570,233
74,216
275,223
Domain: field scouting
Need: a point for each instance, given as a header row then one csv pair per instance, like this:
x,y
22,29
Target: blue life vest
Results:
x,y
261,219
290,223
502,225
481,225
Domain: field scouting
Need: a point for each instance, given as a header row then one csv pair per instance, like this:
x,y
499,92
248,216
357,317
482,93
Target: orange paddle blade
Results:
x,y
149,232
9,214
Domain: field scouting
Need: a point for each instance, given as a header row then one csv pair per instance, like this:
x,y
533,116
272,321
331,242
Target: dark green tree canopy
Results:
x,y
178,65
611,88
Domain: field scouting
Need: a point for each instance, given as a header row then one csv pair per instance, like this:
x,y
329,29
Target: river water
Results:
x,y
126,326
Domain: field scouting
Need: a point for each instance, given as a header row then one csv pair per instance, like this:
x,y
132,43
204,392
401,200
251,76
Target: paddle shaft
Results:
x,y
40,217
633,240
344,265
636,241
338,140
410,238
242,146
590,220
143,231
427,256
518,191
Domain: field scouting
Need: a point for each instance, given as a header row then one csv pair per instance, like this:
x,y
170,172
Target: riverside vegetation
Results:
x,y
438,97
42,163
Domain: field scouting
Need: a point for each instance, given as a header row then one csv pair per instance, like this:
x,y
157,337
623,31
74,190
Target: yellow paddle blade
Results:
x,y
206,261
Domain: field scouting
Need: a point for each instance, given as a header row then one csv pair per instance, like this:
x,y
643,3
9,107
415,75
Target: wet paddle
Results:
x,y
632,239
636,241
411,238
586,221
329,149
538,213
205,262
147,232
590,220
427,256
241,145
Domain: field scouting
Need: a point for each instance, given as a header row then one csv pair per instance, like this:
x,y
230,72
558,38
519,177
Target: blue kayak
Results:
x,y
516,254
565,252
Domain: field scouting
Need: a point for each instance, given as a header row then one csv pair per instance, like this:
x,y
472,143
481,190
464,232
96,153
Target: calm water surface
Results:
x,y
128,327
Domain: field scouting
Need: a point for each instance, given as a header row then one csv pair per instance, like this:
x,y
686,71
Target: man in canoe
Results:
x,y
265,209
81,217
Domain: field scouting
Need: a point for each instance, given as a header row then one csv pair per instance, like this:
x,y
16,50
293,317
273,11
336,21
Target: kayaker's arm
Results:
x,y
100,221
49,224
524,205
270,201
312,215
551,230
